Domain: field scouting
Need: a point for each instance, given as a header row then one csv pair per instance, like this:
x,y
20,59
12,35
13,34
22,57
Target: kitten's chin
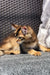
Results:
x,y
20,42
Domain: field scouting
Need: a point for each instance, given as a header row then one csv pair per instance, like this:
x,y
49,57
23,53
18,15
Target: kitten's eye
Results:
x,y
21,38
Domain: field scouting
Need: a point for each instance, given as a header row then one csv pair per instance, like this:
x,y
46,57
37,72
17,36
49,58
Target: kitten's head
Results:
x,y
22,33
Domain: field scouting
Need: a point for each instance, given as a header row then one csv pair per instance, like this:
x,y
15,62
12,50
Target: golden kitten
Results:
x,y
27,40
23,39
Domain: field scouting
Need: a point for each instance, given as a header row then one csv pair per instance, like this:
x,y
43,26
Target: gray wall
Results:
x,y
21,12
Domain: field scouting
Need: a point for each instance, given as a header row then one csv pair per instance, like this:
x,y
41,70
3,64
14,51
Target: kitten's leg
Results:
x,y
33,52
1,53
44,49
12,52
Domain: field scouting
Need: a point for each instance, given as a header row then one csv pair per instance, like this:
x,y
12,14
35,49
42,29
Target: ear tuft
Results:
x,y
14,25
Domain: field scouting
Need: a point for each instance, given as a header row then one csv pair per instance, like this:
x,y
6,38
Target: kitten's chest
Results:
x,y
22,47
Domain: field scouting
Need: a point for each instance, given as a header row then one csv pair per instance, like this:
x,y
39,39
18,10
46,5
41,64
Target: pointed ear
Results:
x,y
30,30
24,30
14,25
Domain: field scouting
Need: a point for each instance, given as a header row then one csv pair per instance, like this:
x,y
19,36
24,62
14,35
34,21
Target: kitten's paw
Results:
x,y
12,52
33,52
1,53
37,53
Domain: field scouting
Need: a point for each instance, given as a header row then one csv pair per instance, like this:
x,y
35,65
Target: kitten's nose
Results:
x,y
17,40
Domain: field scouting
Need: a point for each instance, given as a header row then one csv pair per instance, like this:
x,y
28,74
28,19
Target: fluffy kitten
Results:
x,y
27,40
23,39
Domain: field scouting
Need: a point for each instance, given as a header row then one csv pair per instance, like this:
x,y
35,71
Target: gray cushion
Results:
x,y
24,64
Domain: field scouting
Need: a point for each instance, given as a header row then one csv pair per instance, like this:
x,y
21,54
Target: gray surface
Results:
x,y
24,64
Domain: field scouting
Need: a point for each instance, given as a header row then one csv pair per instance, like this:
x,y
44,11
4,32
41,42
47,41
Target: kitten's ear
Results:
x,y
24,29
14,25
30,30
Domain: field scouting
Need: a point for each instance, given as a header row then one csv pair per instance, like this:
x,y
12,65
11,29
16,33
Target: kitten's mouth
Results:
x,y
19,41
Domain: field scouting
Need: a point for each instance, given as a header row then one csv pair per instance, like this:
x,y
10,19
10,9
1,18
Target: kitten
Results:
x,y
23,39
27,40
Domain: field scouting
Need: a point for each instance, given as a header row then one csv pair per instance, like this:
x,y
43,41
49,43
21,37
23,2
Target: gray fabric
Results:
x,y
25,64
44,29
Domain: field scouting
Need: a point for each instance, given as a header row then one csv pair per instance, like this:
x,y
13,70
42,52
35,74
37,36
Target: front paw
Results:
x,y
37,53
33,52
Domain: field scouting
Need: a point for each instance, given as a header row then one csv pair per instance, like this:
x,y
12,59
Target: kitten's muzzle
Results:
x,y
17,40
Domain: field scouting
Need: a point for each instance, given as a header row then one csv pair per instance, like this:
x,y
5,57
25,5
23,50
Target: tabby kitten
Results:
x,y
23,39
27,40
